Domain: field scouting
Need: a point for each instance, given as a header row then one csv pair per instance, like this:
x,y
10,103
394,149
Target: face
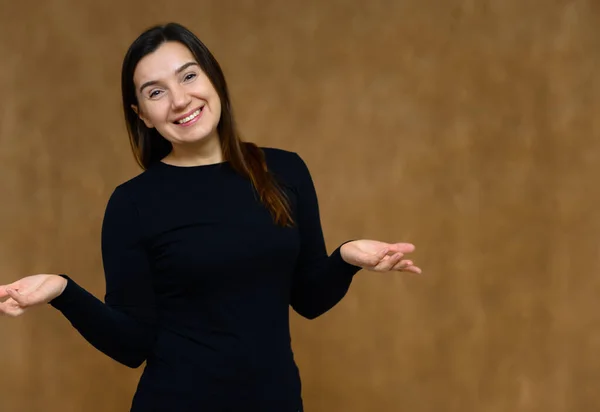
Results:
x,y
175,96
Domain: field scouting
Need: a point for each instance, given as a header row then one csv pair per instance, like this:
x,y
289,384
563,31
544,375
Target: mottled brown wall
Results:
x,y
468,127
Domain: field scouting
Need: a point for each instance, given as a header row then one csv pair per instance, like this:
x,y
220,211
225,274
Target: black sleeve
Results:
x,y
123,327
320,281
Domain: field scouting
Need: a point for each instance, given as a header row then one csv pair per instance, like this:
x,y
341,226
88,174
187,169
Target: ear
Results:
x,y
149,124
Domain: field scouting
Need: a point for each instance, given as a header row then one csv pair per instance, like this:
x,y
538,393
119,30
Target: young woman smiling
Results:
x,y
204,251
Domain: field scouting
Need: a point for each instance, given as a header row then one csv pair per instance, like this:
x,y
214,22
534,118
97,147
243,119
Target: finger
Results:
x,y
403,264
388,264
27,299
402,247
387,254
22,300
370,260
4,307
10,308
3,290
412,269
383,253
406,266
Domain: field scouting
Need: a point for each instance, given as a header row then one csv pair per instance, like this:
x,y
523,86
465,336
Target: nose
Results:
x,y
179,98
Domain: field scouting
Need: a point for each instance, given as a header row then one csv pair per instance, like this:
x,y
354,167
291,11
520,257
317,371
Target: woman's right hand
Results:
x,y
29,291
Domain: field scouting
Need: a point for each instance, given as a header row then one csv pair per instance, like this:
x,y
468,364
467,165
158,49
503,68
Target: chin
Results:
x,y
192,138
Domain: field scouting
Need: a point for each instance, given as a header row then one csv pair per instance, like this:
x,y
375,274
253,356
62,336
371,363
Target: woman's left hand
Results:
x,y
379,256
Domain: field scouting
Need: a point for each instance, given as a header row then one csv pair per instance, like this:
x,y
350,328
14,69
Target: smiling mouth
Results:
x,y
190,117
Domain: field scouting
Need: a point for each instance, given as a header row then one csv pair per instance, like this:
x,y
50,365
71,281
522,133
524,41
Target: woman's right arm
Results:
x,y
124,326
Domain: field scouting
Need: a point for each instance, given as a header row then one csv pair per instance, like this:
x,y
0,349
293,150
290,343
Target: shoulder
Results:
x,y
275,156
134,184
286,164
127,193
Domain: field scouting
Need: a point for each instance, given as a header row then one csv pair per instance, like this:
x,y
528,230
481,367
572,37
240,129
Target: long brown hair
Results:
x,y
149,146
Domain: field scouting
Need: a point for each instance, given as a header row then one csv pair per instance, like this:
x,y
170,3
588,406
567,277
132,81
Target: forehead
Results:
x,y
162,63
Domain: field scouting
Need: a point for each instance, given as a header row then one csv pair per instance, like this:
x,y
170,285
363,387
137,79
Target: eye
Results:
x,y
154,93
189,76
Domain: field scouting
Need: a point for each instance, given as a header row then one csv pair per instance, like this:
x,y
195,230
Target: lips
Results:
x,y
189,117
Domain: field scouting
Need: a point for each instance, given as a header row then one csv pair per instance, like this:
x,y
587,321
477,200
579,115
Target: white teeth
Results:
x,y
190,117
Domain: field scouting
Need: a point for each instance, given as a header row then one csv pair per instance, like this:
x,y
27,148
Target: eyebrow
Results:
x,y
179,70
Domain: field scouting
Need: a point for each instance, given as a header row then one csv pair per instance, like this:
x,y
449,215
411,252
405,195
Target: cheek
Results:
x,y
157,112
216,106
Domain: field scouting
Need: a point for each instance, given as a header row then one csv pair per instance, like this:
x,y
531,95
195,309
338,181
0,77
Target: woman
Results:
x,y
206,249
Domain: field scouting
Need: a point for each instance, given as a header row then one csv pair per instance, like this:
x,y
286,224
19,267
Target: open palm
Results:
x,y
379,256
16,297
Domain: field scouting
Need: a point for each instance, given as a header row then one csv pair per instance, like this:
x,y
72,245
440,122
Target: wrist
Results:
x,y
62,281
344,250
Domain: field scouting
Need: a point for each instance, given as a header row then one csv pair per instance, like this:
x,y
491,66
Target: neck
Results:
x,y
206,152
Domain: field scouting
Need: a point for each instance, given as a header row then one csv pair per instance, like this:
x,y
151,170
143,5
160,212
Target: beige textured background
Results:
x,y
468,127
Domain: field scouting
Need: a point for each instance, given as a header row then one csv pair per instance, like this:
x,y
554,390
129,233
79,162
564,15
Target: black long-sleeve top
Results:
x,y
199,281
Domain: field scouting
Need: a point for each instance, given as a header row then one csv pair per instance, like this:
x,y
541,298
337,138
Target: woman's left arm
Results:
x,y
321,280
